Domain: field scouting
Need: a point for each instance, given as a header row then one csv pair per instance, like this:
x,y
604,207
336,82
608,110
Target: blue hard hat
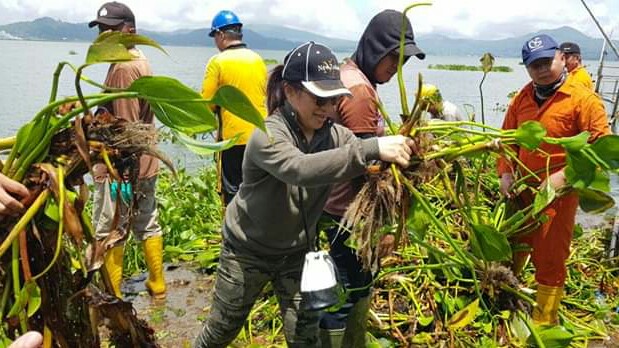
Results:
x,y
223,19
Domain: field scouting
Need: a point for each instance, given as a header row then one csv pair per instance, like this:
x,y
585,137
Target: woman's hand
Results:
x,y
8,190
396,149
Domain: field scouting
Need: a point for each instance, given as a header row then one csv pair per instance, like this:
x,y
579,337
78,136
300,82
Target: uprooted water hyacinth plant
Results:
x,y
50,263
447,209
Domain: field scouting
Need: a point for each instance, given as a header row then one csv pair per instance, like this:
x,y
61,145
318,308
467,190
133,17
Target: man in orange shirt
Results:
x,y
573,63
565,108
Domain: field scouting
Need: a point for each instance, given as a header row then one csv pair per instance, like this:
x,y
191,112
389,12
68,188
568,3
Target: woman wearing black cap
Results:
x,y
287,178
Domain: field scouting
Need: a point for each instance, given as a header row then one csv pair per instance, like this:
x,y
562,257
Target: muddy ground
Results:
x,y
178,319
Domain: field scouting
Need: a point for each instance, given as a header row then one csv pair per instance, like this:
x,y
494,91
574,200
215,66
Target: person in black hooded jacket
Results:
x,y
374,62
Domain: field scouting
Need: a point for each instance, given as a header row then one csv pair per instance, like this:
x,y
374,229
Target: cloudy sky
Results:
x,y
482,19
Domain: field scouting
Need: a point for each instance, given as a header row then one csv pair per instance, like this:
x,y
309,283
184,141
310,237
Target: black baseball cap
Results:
x,y
569,48
113,14
317,68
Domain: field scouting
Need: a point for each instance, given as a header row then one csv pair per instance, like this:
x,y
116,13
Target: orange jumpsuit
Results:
x,y
571,110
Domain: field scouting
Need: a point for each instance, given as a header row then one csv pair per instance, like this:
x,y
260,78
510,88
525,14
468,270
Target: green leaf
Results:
x,y
487,61
202,148
493,245
580,171
554,336
601,182
464,317
175,105
417,221
578,231
607,149
30,296
425,320
233,100
530,134
594,201
34,298
543,198
114,47
574,144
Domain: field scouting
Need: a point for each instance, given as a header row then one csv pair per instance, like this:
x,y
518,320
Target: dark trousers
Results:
x,y
231,171
355,280
241,277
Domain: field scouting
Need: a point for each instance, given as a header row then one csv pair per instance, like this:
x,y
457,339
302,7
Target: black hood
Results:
x,y
381,36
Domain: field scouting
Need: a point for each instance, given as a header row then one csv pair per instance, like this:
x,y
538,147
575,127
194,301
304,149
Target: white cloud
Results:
x,y
484,19
473,18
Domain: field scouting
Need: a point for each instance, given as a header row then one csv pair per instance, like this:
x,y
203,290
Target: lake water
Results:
x,y
26,69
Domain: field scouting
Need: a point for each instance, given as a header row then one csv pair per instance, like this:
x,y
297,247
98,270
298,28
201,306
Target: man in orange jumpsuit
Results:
x,y
565,108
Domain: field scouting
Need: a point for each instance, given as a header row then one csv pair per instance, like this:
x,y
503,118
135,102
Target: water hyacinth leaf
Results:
x,y
202,148
233,100
578,231
464,317
487,62
493,245
553,336
580,171
543,198
530,134
594,201
29,298
572,144
607,148
175,105
34,298
425,320
114,47
418,221
601,182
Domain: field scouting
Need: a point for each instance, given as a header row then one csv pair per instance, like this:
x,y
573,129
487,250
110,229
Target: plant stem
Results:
x,y
403,97
23,221
61,200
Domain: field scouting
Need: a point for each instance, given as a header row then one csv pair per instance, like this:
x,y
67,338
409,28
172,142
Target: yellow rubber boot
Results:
x,y
153,250
548,300
114,267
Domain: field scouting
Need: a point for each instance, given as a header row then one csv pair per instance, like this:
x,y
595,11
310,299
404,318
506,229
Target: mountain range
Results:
x,y
266,36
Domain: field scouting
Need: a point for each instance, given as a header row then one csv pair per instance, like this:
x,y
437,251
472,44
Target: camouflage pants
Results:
x,y
241,276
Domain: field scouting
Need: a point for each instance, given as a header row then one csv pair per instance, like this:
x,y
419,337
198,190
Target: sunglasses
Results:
x,y
321,101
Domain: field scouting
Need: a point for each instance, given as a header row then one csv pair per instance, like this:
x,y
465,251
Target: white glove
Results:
x,y
396,149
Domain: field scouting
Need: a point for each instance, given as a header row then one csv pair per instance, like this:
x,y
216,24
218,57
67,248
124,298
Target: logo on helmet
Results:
x,y
103,12
535,44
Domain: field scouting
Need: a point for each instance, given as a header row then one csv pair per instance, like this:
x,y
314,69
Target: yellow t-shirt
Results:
x,y
244,69
580,75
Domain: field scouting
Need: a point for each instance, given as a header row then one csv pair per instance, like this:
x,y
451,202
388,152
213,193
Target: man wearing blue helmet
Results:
x,y
238,66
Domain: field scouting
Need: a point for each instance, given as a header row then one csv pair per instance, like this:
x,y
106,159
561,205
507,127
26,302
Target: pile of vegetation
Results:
x,y
462,67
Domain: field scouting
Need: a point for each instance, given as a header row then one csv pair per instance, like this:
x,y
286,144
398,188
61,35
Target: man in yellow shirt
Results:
x,y
238,66
573,63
